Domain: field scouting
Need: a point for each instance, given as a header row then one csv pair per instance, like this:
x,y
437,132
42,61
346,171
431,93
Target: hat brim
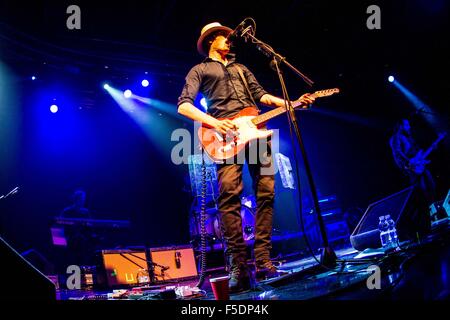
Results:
x,y
206,34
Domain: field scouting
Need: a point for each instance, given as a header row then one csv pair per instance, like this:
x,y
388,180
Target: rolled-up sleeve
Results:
x,y
255,88
191,86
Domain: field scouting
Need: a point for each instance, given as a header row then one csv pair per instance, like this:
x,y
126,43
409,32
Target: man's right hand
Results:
x,y
225,127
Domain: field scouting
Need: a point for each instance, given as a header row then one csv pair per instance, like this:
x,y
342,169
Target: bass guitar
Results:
x,y
419,161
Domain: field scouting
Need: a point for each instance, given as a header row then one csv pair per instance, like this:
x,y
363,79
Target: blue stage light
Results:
x,y
33,78
203,103
145,83
54,108
106,86
391,79
127,93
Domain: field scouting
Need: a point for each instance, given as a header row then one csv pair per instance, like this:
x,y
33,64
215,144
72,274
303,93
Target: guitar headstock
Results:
x,y
326,92
318,94
440,137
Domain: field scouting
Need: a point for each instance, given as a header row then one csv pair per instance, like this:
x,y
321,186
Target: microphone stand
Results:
x,y
328,256
422,110
12,192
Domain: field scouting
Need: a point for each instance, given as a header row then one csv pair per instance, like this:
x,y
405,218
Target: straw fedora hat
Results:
x,y
207,31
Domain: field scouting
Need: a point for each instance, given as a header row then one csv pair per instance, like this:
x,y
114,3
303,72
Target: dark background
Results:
x,y
92,144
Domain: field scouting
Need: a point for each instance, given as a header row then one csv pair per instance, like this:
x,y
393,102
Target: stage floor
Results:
x,y
420,271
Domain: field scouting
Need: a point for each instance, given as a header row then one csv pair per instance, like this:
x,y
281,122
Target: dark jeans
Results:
x,y
230,187
426,184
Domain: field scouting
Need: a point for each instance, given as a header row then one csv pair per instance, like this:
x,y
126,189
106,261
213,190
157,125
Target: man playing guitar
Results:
x,y
228,88
411,160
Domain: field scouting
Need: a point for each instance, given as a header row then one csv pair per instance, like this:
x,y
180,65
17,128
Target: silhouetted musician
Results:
x,y
77,208
80,238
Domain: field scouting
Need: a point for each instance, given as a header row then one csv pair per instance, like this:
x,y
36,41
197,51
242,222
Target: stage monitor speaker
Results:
x,y
125,267
446,204
407,208
20,279
173,263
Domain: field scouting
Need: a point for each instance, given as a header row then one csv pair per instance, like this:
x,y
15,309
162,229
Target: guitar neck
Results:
x,y
425,155
433,146
280,110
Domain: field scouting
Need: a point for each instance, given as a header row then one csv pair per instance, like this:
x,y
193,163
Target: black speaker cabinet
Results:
x,y
409,210
20,279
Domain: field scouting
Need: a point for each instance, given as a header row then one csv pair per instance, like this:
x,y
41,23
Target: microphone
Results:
x,y
177,259
234,34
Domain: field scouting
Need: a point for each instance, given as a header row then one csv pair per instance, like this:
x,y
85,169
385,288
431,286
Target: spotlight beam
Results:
x,y
155,127
422,108
167,108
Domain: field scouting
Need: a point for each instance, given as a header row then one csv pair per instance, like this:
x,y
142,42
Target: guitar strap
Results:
x,y
241,74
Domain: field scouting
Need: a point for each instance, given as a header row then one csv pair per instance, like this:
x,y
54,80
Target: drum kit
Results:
x,y
213,230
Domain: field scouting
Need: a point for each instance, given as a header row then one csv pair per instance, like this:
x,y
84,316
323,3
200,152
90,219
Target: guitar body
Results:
x,y
418,170
221,148
419,162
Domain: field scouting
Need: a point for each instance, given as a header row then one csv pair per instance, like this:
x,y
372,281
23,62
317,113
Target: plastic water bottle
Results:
x,y
384,232
392,231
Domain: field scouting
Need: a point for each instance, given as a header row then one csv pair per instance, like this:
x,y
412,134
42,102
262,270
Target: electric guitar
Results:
x,y
249,127
419,161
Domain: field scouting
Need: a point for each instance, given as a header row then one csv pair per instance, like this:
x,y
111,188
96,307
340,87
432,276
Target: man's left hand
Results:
x,y
307,99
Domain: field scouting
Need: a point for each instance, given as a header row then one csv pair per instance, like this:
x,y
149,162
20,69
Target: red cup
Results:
x,y
220,288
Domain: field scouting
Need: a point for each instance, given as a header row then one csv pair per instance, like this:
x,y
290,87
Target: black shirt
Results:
x,y
403,149
221,86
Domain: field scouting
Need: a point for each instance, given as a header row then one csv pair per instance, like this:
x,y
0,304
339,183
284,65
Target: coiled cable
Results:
x,y
201,279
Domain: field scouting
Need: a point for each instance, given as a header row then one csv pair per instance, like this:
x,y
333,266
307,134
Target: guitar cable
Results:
x,y
201,279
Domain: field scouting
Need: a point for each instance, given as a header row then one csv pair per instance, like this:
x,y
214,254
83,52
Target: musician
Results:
x,y
77,208
217,78
404,149
80,239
